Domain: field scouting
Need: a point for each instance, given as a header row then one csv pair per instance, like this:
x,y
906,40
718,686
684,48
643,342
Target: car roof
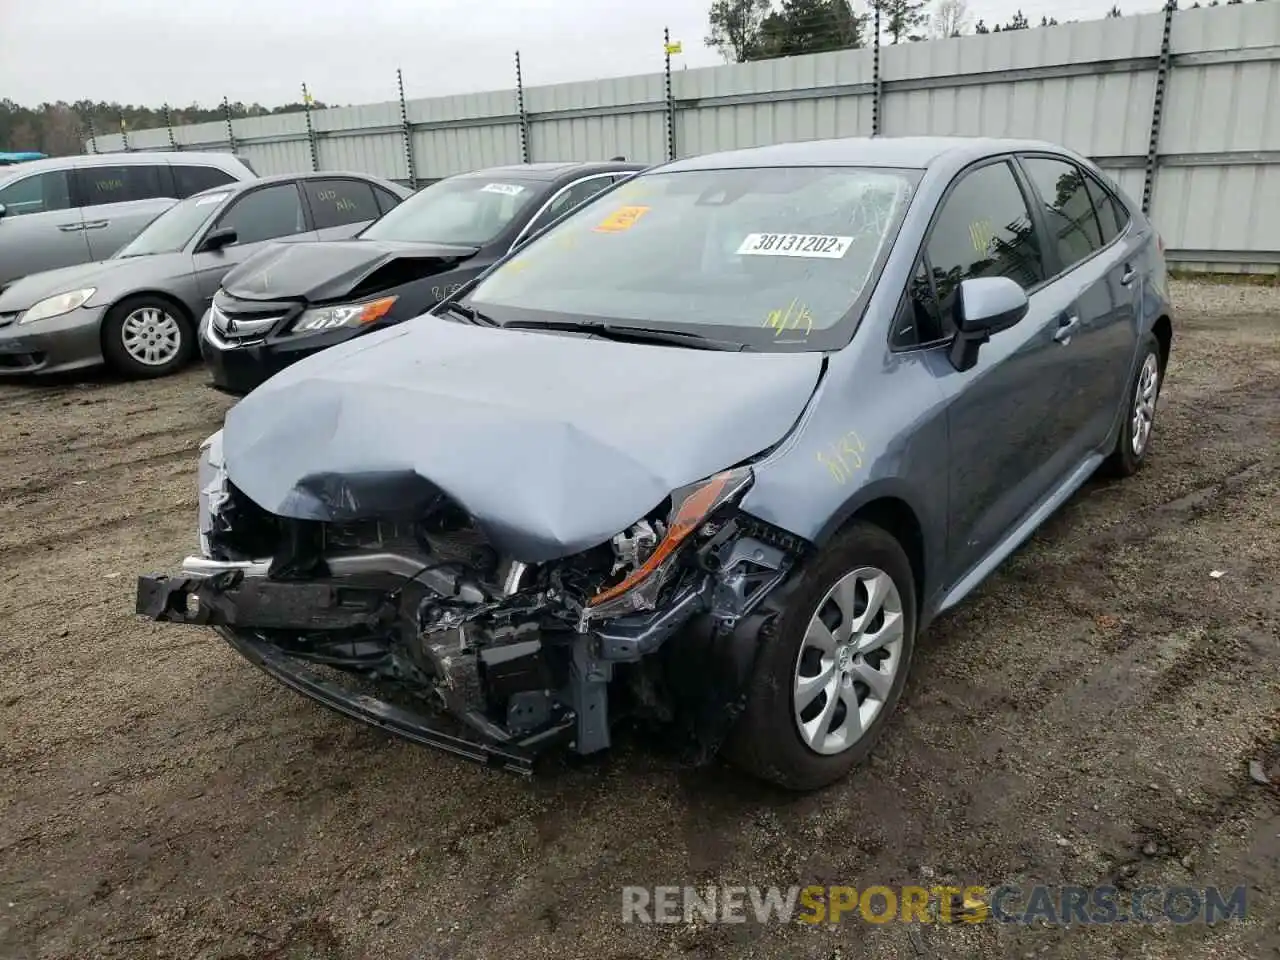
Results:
x,y
116,159
553,170
239,186
911,152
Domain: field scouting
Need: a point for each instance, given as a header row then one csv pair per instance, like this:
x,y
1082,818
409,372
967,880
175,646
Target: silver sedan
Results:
x,y
137,311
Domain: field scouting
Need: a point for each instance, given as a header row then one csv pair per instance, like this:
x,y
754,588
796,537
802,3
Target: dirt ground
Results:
x,y
1087,717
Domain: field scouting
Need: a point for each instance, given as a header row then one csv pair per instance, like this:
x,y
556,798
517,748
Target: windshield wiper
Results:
x,y
628,334
471,313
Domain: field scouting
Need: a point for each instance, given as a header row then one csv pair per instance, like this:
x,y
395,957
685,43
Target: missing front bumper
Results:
x,y
240,607
395,720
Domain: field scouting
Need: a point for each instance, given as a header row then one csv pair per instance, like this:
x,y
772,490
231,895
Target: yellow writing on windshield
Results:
x,y
794,317
624,218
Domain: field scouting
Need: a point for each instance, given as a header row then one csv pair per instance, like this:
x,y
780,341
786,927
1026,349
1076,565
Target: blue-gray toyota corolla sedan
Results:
x,y
711,451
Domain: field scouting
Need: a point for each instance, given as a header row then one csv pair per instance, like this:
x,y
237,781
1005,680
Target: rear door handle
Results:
x,y
70,227
1129,274
1067,327
97,224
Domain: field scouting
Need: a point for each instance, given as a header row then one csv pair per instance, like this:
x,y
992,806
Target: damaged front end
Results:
x,y
420,626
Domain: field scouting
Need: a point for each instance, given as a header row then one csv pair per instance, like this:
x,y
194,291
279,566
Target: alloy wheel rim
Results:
x,y
1144,403
151,336
848,661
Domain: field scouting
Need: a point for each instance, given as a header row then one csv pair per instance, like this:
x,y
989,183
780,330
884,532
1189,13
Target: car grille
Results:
x,y
243,326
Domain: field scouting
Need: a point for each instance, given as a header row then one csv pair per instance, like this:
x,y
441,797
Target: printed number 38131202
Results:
x,y
843,458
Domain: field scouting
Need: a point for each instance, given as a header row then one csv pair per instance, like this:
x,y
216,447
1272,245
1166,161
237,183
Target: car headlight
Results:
x,y
57,306
691,507
343,315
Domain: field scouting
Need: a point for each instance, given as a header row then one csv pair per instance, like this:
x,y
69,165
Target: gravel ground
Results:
x,y
1087,717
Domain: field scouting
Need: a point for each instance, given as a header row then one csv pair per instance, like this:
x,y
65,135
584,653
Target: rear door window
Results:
x,y
984,229
265,214
1112,218
337,203
190,179
1068,210
121,184
39,193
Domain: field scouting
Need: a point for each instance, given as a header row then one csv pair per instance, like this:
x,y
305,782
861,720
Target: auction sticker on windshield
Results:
x,y
794,245
624,218
506,189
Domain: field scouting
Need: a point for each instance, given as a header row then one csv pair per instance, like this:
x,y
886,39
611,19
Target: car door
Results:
x,y
1004,444
1092,292
340,206
41,229
568,197
117,201
263,215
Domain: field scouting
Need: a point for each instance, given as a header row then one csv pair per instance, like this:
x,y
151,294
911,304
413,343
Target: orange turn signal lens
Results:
x,y
686,517
376,309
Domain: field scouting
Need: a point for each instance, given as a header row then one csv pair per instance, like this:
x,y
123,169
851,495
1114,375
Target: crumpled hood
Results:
x,y
108,276
553,443
319,271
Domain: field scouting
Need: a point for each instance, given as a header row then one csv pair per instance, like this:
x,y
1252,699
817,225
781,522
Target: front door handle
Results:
x,y
1067,327
1129,274
70,227
97,224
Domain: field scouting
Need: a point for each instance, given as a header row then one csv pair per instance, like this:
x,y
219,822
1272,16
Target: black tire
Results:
x,y
765,742
1124,461
117,354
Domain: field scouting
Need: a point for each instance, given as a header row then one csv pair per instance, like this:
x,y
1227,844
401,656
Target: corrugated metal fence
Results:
x,y
1183,108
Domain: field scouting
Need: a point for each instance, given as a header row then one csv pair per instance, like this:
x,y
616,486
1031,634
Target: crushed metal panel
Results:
x,y
553,443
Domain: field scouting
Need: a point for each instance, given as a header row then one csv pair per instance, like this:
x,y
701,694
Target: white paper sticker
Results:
x,y
506,189
794,245
212,198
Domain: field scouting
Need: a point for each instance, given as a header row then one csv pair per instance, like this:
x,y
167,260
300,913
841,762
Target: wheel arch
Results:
x,y
889,505
1163,330
168,296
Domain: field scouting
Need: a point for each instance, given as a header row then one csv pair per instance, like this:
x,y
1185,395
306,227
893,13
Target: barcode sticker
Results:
x,y
794,245
506,189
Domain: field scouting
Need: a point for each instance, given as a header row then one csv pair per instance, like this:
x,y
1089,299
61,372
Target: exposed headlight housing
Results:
x,y
58,305
320,319
691,507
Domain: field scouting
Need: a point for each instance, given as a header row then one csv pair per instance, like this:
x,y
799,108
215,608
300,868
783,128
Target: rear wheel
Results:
x,y
145,337
1134,441
828,677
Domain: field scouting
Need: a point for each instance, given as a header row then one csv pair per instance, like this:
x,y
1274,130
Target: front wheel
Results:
x,y
145,337
831,671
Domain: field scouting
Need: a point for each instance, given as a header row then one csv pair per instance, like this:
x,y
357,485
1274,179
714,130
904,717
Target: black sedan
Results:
x,y
292,300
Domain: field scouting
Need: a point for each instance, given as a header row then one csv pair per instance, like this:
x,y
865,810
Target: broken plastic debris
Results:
x,y
1217,574
1257,773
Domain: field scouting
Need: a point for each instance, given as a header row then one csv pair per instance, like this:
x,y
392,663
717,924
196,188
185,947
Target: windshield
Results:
x,y
765,257
172,230
466,210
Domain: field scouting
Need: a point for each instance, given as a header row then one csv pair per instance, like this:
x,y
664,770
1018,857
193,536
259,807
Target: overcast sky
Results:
x,y
150,51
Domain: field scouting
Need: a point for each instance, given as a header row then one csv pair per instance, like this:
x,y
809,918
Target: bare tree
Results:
x,y
950,19
61,130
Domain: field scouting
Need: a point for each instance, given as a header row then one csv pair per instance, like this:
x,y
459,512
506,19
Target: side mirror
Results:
x,y
984,306
1,211
217,239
